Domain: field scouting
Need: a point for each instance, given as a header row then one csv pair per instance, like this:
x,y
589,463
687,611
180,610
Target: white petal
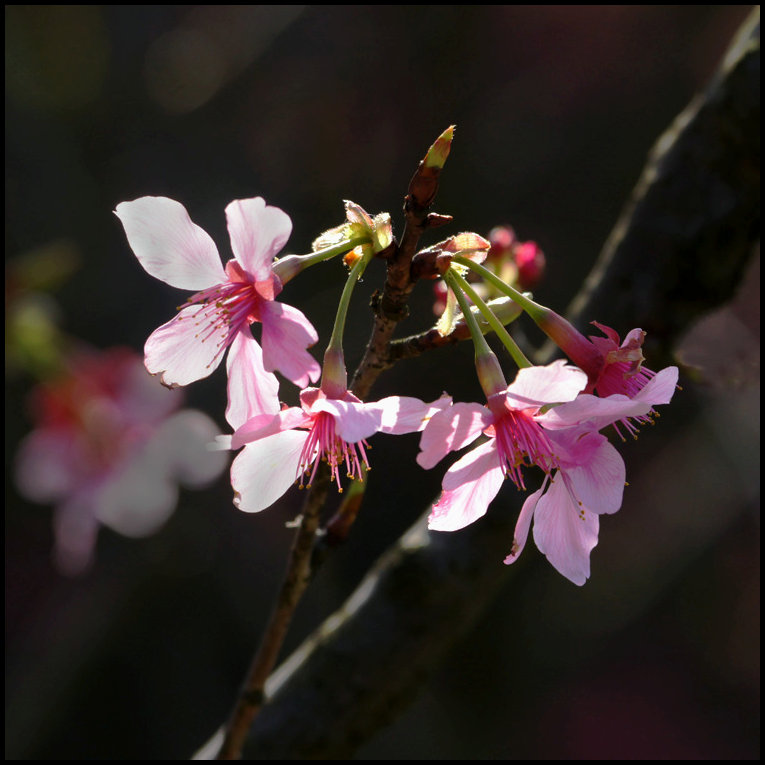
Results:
x,y
258,232
169,245
265,469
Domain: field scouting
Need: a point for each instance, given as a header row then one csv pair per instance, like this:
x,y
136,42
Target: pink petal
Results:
x,y
593,412
75,530
565,533
138,498
449,430
169,245
469,486
612,334
251,390
258,232
553,383
353,421
523,524
264,425
265,469
189,439
593,470
660,388
51,465
187,348
404,414
286,335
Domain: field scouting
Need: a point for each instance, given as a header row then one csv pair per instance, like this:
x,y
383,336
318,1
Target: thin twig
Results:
x,y
296,578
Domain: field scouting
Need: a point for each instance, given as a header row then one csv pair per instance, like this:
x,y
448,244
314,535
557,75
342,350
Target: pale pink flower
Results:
x,y
541,419
286,448
110,448
227,300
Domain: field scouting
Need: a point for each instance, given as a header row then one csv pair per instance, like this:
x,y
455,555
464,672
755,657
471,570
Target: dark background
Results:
x,y
657,656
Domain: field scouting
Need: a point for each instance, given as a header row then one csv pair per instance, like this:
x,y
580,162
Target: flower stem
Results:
x,y
336,339
494,322
536,311
291,265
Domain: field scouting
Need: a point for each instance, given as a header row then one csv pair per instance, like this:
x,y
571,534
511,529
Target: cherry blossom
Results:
x,y
227,300
286,448
542,419
110,448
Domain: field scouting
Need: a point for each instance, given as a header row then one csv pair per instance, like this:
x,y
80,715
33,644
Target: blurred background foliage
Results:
x,y
556,108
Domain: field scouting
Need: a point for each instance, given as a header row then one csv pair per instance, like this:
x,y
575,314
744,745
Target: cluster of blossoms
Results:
x,y
549,417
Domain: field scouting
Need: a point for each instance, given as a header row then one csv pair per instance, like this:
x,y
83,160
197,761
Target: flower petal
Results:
x,y
265,469
449,430
188,347
469,486
593,412
251,390
593,470
51,464
264,425
188,438
556,382
523,524
258,232
565,532
660,388
75,529
353,421
169,245
286,335
405,414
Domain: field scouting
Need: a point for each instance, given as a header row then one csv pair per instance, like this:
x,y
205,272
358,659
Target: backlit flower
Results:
x,y
226,300
283,449
542,419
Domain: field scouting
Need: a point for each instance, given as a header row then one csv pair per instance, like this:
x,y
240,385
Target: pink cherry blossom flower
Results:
x,y
110,448
226,300
541,419
286,448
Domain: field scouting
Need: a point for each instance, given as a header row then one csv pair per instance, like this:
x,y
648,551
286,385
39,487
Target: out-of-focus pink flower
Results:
x,y
286,448
110,448
530,261
189,347
541,419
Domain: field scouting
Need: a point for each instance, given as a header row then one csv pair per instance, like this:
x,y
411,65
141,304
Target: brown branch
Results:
x,y
687,232
296,578
390,307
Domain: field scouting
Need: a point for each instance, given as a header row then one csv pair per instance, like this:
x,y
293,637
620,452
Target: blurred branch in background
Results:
x,y
679,250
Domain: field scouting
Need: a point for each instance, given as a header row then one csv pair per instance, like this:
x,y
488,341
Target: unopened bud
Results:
x,y
439,151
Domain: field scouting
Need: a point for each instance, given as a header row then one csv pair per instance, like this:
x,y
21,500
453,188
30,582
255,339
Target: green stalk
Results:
x,y
291,265
334,377
494,322
536,311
